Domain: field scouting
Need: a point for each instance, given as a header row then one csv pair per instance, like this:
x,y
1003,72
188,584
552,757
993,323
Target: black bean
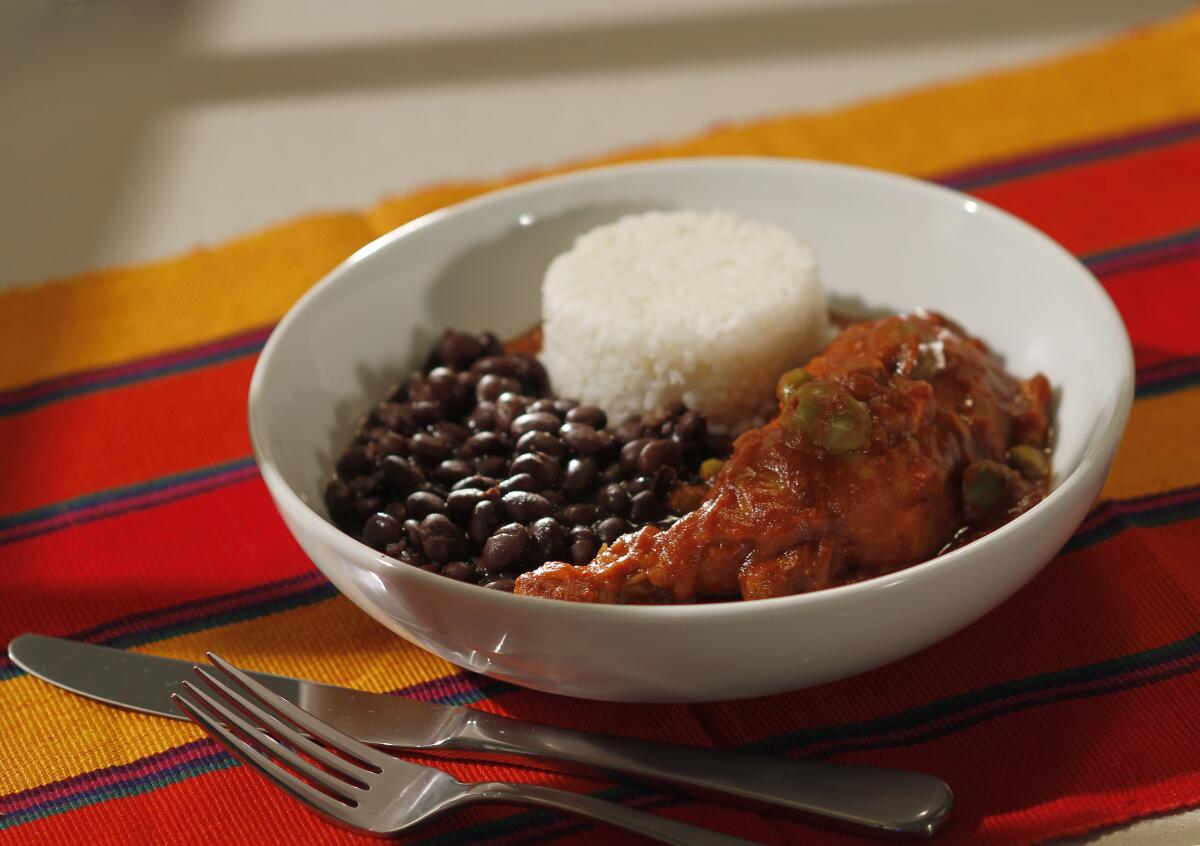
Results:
x,y
612,528
480,482
485,443
445,388
612,473
395,550
423,503
562,406
656,418
365,485
490,343
460,503
533,421
380,530
537,441
548,471
413,557
339,499
638,484
584,547
458,349
398,417
354,462
519,482
499,365
365,506
388,443
397,510
548,406
412,530
631,452
441,540
505,585
428,412
581,437
550,538
691,427
451,471
483,417
450,432
577,514
509,407
629,429
485,517
460,571
645,507
525,507
659,453
580,476
490,386
495,466
589,415
661,482
533,373
428,449
614,499
416,389
505,549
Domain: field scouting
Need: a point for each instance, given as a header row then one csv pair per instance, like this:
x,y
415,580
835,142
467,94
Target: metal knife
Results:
x,y
883,801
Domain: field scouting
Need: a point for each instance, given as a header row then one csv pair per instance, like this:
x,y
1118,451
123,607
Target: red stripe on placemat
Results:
x,y
125,435
1099,205
1160,305
92,573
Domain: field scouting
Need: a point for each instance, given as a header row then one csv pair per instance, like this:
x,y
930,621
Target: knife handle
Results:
x,y
884,801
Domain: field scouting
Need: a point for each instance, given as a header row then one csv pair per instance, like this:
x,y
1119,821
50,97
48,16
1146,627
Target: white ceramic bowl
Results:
x,y
882,241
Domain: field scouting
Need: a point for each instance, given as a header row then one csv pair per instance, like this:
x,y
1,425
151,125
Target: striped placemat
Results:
x,y
132,514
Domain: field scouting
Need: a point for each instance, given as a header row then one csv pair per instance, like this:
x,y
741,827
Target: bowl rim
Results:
x,y
1096,453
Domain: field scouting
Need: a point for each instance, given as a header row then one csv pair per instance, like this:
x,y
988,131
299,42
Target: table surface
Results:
x,y
135,130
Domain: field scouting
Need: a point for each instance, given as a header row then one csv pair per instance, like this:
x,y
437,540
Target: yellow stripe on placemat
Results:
x,y
99,319
109,317
1145,464
48,735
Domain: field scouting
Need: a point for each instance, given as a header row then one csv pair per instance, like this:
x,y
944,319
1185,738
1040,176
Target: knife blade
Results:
x,y
883,801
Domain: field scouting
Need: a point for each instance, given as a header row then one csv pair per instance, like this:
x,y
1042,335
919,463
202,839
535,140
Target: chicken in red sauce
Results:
x,y
904,437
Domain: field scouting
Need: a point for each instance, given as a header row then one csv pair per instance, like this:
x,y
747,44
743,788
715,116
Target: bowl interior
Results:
x,y
883,243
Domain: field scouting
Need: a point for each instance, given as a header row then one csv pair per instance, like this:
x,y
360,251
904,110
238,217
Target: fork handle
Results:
x,y
882,801
658,828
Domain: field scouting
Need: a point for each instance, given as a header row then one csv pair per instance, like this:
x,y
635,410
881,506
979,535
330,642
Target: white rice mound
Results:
x,y
705,307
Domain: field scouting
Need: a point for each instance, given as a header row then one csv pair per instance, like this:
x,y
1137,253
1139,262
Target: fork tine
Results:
x,y
283,730
274,750
283,779
306,721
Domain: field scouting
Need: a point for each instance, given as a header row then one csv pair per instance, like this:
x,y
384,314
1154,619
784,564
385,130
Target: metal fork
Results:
x,y
364,789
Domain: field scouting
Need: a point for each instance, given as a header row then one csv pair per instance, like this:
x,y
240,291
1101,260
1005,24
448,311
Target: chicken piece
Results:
x,y
889,445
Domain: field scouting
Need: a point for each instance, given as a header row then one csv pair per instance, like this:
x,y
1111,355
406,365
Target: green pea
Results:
x,y
710,467
836,421
1029,461
983,486
790,382
803,406
846,429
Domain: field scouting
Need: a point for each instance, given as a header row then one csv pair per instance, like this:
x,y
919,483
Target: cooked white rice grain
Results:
x,y
704,307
